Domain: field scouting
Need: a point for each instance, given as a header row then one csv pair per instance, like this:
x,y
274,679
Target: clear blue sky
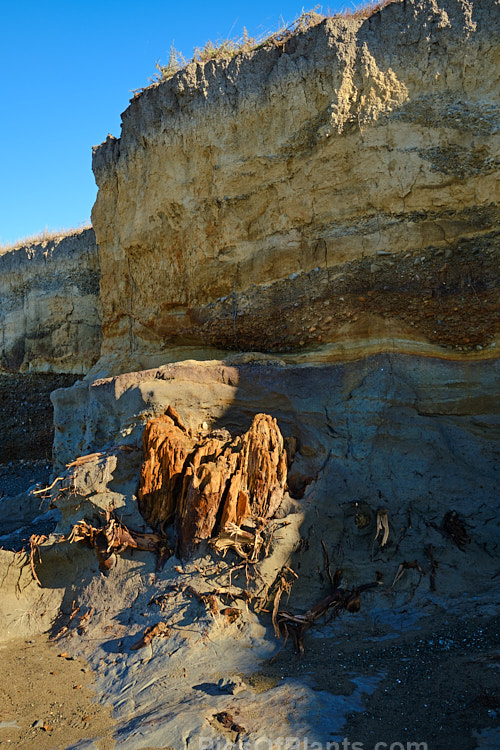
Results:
x,y
68,70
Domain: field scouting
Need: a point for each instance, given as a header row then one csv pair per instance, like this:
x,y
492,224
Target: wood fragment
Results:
x,y
382,526
246,544
228,722
47,489
231,613
403,567
285,580
160,630
208,599
84,459
174,416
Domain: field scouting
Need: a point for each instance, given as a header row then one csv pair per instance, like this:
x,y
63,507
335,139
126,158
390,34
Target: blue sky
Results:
x,y
68,70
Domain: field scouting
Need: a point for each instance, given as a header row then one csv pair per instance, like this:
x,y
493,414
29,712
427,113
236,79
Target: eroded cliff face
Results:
x,y
332,197
50,313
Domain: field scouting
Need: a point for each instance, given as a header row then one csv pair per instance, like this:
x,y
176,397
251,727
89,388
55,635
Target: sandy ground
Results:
x,y
46,700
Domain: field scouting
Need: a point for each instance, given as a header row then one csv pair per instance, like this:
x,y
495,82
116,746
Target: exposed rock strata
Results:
x,y
50,313
399,424
337,191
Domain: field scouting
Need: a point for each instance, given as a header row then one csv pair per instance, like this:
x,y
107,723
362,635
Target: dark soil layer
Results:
x,y
26,415
448,298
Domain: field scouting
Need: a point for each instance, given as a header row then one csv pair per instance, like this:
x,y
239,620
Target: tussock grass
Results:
x,y
46,235
226,49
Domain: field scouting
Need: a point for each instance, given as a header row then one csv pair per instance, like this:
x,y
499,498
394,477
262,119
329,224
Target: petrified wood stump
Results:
x,y
206,484
166,445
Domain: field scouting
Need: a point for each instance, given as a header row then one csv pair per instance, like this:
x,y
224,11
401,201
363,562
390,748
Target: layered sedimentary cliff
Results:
x,y
333,195
50,313
329,201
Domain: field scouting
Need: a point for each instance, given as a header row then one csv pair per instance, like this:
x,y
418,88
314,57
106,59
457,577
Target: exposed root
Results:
x,y
160,630
246,544
453,527
114,538
335,603
35,541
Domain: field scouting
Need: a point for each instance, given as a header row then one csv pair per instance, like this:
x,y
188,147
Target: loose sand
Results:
x,y
46,699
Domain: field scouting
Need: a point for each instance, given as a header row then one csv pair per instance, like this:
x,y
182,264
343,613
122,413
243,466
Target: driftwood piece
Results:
x,y
231,614
44,490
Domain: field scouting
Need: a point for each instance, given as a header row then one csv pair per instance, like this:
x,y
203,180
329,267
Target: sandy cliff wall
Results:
x,y
336,193
50,314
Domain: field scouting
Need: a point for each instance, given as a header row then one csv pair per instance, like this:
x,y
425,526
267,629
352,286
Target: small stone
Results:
x,y
231,685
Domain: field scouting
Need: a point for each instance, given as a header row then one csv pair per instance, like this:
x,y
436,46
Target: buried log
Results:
x,y
114,537
338,601
212,485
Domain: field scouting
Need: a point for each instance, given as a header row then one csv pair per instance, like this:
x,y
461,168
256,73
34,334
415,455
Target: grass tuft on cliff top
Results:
x,y
46,235
226,49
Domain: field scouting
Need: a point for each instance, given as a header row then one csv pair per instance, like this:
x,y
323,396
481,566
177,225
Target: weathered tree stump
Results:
x,y
166,445
208,484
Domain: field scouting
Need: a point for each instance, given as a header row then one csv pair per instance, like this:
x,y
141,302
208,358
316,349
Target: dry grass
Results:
x,y
44,236
226,49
